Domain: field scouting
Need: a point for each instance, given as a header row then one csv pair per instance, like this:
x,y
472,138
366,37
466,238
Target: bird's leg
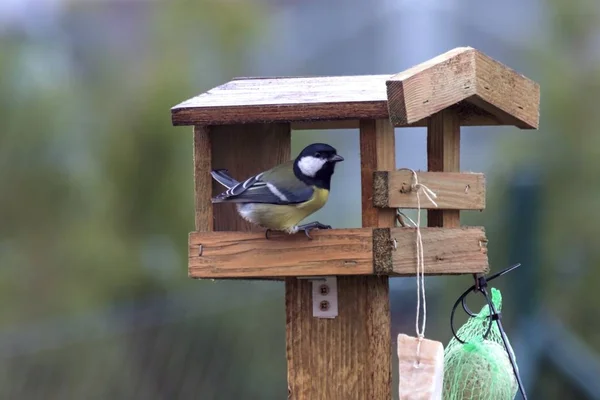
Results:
x,y
312,225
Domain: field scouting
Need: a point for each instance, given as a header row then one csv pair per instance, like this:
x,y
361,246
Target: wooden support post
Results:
x,y
377,152
443,155
348,357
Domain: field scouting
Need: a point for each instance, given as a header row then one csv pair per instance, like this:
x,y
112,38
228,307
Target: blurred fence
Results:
x,y
180,346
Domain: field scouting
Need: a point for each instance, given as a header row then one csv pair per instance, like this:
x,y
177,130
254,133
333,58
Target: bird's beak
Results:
x,y
336,158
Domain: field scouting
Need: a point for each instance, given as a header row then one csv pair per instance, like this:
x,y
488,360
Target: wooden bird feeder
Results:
x,y
245,126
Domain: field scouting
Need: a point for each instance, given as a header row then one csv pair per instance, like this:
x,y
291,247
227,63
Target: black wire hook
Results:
x,y
481,283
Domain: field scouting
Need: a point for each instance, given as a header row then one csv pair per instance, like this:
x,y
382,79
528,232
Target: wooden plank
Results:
x,y
443,154
325,125
512,97
202,179
425,380
463,74
446,251
455,191
287,99
358,251
236,254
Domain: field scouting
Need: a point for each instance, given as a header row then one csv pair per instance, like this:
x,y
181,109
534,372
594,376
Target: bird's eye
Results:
x,y
318,154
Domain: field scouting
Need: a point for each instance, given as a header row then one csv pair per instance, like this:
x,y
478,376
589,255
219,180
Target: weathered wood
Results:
x,y
421,378
329,359
446,251
349,356
455,191
463,74
377,152
202,179
481,90
233,254
469,114
443,154
359,251
287,99
325,125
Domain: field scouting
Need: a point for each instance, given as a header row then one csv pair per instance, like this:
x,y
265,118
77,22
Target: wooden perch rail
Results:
x,y
455,191
361,251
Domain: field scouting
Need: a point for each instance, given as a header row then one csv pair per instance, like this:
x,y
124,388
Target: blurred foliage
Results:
x,y
566,154
92,174
96,200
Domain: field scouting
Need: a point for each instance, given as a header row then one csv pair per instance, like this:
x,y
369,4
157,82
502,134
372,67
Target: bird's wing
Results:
x,y
222,176
278,185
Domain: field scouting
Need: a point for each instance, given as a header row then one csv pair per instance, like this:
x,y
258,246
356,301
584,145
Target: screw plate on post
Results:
x,y
324,297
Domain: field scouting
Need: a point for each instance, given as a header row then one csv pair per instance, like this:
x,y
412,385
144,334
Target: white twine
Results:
x,y
417,187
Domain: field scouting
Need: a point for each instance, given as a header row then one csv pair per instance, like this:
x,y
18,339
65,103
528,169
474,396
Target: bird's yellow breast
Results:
x,y
318,200
284,217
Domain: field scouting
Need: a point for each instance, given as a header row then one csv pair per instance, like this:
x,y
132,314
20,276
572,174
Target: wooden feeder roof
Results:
x,y
482,90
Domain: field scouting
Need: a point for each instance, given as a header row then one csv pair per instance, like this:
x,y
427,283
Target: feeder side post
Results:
x,y
443,155
377,153
202,179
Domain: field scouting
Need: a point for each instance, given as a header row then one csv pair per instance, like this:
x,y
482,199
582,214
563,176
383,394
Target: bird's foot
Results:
x,y
312,225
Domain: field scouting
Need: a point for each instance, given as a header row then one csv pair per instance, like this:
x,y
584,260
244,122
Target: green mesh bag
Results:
x,y
480,368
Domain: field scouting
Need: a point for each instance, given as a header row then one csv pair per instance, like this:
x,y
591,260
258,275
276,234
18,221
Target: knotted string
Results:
x,y
417,188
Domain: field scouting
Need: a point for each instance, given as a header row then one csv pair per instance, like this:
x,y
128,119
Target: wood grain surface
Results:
x,y
238,254
377,152
463,75
443,154
336,252
348,357
455,191
446,251
287,99
202,179
481,90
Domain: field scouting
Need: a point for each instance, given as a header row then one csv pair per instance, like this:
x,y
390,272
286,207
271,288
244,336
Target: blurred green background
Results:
x,y
96,188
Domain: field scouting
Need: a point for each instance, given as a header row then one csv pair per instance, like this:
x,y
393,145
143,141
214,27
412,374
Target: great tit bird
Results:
x,y
278,199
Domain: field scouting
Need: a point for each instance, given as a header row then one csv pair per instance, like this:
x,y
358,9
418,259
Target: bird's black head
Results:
x,y
316,163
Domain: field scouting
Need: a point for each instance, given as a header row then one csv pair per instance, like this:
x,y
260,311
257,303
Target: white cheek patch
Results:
x,y
310,165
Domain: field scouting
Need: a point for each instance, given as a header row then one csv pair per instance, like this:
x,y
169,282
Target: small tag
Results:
x,y
421,378
325,298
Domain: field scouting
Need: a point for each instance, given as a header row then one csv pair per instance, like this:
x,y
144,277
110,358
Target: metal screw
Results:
x,y
324,289
324,305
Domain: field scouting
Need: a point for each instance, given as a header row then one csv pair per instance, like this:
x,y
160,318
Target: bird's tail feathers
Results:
x,y
222,176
